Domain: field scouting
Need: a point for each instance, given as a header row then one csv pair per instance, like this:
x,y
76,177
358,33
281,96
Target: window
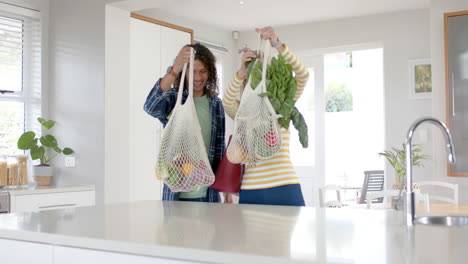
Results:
x,y
20,75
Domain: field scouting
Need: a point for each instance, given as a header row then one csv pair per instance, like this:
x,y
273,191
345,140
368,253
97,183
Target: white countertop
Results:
x,y
229,233
33,189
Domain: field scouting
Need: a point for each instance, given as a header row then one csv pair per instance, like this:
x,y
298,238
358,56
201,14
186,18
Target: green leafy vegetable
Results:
x,y
281,89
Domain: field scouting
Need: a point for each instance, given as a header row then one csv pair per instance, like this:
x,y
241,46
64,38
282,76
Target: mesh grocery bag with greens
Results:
x,y
256,133
281,90
183,162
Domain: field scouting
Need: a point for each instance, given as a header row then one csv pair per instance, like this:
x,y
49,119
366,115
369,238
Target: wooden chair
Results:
x,y
336,203
373,182
452,187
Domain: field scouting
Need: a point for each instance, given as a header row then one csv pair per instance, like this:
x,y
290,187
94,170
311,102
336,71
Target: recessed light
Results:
x,y
241,2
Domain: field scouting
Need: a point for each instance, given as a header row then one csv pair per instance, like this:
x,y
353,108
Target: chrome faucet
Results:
x,y
410,202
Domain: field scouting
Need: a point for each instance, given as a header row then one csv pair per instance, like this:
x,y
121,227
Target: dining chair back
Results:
x,y
440,191
373,182
420,197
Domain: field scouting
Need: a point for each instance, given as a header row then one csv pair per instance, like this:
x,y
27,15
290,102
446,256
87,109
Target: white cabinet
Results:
x,y
456,37
13,251
145,130
51,200
172,41
138,52
68,255
153,48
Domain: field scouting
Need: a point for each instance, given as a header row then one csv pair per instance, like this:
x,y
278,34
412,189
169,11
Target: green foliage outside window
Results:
x,y
338,98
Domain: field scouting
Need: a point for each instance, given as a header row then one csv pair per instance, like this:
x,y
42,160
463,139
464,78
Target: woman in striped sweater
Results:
x,y
272,181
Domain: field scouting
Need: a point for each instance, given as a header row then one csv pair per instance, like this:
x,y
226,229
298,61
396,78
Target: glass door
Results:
x,y
309,162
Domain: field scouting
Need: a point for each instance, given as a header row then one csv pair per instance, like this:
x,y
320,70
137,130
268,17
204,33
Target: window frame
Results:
x,y
26,94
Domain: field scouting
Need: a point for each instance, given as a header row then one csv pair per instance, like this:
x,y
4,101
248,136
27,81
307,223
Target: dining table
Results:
x,y
440,208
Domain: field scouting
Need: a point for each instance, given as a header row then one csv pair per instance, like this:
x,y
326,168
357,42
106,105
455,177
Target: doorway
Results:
x,y
343,106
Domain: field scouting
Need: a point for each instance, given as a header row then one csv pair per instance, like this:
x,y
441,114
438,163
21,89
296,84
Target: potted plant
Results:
x,y
397,158
40,149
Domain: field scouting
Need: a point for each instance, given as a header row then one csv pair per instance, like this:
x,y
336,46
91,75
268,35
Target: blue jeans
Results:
x,y
200,199
282,195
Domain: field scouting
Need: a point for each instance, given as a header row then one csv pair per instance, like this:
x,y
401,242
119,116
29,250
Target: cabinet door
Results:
x,y
48,201
456,33
152,49
13,251
68,255
172,41
145,130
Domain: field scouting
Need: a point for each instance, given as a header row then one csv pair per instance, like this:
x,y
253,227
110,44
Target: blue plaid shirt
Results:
x,y
160,104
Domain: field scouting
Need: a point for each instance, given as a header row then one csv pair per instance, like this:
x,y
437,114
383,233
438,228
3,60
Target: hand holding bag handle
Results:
x,y
183,162
257,134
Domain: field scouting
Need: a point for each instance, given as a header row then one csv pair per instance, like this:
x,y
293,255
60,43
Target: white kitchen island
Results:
x,y
183,232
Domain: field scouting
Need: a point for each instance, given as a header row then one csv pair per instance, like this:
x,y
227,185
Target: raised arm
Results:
x,y
300,71
231,96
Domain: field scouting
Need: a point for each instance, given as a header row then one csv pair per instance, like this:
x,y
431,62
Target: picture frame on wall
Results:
x,y
420,79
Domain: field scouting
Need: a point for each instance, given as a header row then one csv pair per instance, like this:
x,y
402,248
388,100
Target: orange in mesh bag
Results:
x,y
183,162
257,134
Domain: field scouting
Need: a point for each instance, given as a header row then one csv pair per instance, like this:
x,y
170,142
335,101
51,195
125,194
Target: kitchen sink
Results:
x,y
450,220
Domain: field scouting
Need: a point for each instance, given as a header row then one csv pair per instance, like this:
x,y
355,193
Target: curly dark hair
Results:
x,y
204,55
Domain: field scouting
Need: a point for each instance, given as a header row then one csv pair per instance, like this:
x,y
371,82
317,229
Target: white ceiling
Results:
x,y
231,15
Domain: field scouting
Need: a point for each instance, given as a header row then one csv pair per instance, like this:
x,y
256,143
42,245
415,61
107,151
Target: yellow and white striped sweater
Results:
x,y
278,170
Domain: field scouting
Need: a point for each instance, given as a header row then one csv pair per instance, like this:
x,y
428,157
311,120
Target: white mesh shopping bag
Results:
x,y
256,134
183,162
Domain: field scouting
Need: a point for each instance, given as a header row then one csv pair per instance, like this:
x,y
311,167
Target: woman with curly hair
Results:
x,y
162,99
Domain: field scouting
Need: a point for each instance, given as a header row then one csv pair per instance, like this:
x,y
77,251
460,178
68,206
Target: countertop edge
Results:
x,y
138,249
51,189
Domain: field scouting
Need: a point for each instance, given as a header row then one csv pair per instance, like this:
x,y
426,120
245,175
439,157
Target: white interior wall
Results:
x,y
438,8
403,35
116,157
76,88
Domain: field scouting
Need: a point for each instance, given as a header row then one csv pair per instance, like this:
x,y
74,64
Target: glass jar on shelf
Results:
x,y
13,176
23,174
3,171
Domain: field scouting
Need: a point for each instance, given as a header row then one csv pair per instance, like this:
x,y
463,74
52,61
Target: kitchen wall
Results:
x,y
76,90
76,73
403,35
117,156
438,8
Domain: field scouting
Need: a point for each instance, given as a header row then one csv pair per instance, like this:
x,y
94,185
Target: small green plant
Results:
x,y
397,158
37,146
